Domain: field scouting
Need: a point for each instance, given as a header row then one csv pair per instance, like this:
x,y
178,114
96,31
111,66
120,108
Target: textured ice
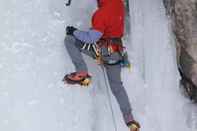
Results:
x,y
33,61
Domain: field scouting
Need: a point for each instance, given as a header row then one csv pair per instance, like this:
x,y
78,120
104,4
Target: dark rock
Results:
x,y
183,14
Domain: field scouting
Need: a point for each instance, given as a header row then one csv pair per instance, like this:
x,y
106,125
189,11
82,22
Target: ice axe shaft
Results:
x,y
68,3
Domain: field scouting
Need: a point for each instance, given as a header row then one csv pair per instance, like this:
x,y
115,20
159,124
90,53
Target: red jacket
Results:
x,y
109,18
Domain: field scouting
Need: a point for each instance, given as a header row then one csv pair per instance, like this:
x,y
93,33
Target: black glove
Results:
x,y
70,30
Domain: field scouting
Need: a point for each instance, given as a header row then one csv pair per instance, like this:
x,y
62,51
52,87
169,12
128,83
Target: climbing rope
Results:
x,y
109,98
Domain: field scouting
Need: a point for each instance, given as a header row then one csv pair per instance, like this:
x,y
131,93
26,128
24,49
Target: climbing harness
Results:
x,y
106,48
109,46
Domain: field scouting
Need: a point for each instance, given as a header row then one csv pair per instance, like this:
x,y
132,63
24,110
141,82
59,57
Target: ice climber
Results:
x,y
103,43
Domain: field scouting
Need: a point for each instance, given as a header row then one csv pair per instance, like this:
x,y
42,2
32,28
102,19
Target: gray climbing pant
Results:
x,y
74,49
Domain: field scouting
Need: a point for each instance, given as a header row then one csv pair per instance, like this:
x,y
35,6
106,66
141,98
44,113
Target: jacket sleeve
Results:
x,y
90,36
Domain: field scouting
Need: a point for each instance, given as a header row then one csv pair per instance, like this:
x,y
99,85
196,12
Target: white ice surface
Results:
x,y
33,61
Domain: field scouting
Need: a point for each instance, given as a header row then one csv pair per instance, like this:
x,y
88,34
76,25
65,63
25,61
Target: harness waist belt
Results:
x,y
113,44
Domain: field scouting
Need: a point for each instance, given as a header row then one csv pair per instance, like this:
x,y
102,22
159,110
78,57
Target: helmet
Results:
x,y
98,3
101,2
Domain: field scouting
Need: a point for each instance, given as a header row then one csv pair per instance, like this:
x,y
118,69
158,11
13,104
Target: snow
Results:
x,y
33,61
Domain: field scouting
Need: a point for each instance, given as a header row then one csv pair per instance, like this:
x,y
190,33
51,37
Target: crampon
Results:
x,y
81,78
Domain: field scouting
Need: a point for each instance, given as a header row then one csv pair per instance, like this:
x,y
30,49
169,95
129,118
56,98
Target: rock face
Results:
x,y
183,14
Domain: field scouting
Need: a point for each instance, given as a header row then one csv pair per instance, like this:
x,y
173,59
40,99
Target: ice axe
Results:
x,y
68,3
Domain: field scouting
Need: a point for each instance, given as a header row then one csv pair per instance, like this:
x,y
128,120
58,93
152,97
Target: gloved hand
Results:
x,y
70,30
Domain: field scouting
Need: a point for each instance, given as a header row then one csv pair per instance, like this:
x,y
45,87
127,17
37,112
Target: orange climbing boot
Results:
x,y
134,125
81,78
